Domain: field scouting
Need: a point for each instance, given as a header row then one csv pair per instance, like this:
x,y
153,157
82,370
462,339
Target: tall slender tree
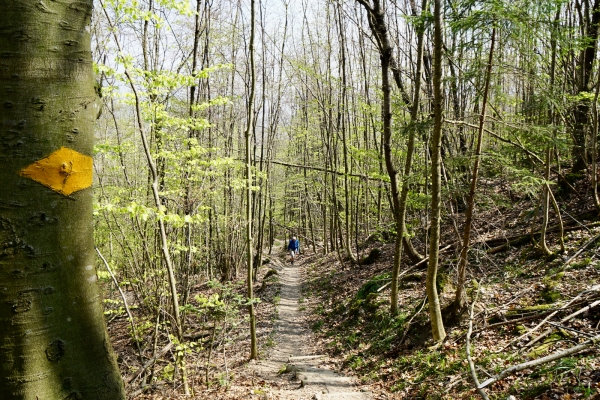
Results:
x,y
460,299
248,135
376,17
435,313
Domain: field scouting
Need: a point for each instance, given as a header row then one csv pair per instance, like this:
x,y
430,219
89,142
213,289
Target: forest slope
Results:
x,y
395,357
518,289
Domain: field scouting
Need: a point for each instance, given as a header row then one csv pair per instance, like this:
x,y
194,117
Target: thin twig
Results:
x,y
468,349
410,321
133,331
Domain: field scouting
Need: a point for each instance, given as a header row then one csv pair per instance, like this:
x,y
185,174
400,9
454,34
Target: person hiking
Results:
x,y
294,247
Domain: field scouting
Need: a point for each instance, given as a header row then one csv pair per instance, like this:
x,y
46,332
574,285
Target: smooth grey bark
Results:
x,y
53,339
435,313
249,125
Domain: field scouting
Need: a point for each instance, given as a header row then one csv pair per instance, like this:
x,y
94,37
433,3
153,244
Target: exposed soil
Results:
x,y
293,368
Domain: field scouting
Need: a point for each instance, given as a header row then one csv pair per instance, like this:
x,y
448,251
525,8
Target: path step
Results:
x,y
339,396
322,377
304,358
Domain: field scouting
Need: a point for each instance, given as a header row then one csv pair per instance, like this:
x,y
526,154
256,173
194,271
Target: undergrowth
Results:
x,y
351,316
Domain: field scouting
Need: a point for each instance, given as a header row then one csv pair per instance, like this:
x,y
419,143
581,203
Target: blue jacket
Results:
x,y
294,245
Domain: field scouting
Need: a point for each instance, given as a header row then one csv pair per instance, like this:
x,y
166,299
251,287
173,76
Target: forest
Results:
x,y
436,159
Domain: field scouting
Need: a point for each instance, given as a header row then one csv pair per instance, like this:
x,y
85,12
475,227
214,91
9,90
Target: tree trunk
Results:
x,y
53,340
435,313
342,110
249,125
582,108
376,17
410,148
460,299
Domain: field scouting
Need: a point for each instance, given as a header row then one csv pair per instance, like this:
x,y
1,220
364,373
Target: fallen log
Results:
x,y
562,321
526,237
498,244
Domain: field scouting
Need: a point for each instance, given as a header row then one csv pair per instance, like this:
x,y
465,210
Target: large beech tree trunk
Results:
x,y
53,340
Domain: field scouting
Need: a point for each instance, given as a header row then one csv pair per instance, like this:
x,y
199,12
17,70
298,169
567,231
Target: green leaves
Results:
x,y
133,10
145,213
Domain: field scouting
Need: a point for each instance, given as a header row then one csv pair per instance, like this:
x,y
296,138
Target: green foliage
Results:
x,y
355,362
582,264
166,373
372,285
374,254
113,307
550,296
316,327
212,306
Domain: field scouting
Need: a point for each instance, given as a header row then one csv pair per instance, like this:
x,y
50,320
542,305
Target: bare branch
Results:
x,y
468,349
534,363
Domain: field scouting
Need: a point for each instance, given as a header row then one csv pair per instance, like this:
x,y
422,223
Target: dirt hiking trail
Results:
x,y
308,375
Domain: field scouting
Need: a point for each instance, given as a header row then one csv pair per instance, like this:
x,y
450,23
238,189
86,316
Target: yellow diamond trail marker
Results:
x,y
65,171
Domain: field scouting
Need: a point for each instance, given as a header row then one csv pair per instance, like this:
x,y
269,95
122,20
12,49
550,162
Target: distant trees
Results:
x,y
300,124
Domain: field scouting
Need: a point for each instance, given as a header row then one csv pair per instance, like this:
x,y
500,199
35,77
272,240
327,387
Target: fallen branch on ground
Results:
x,y
149,363
407,326
578,252
514,321
566,306
534,363
482,392
565,319
197,335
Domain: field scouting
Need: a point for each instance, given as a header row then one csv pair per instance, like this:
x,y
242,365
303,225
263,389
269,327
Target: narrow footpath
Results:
x,y
308,375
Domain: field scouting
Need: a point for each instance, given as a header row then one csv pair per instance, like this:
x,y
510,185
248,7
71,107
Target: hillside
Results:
x,y
524,307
